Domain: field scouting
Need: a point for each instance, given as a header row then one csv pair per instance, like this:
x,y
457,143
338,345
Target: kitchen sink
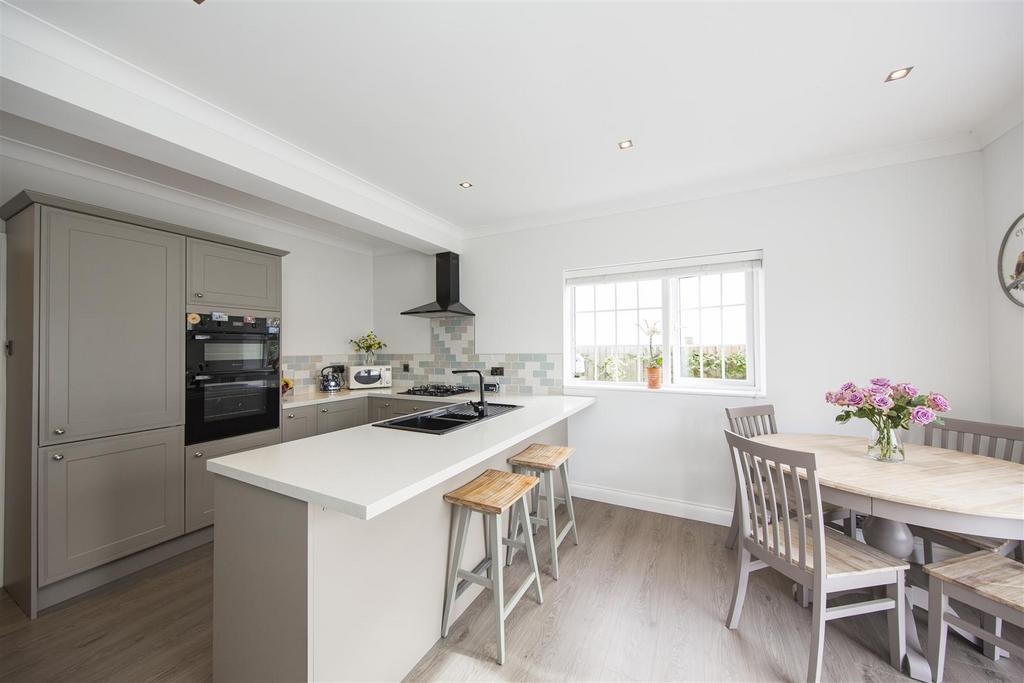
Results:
x,y
446,419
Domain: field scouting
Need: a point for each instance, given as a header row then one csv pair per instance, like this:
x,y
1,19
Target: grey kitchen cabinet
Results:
x,y
298,423
223,275
385,408
106,498
335,415
96,300
199,482
111,327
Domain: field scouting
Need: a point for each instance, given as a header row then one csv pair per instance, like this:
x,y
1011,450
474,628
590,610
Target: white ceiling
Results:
x,y
527,101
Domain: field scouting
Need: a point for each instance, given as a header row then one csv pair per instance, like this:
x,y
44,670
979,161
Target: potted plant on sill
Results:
x,y
652,359
369,344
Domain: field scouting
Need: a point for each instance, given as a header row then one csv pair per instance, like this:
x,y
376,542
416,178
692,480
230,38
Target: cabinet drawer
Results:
x,y
199,482
222,275
298,423
107,498
405,407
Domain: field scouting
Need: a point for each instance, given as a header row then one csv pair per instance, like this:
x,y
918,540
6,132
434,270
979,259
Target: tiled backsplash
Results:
x,y
452,347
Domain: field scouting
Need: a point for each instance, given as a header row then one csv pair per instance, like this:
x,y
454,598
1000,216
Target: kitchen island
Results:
x,y
330,552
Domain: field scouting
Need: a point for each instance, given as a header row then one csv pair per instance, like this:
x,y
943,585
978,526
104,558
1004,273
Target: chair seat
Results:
x,y
979,542
843,555
493,491
988,574
540,456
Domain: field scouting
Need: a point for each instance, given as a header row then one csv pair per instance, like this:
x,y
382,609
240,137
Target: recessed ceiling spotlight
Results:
x,y
899,74
465,184
625,144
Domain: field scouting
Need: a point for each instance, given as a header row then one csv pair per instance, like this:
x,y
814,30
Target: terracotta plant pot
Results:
x,y
654,378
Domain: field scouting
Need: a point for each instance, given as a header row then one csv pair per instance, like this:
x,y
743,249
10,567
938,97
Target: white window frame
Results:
x,y
670,272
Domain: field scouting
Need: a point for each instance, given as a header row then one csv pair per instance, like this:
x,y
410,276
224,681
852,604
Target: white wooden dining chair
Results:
x,y
980,438
984,580
803,549
751,421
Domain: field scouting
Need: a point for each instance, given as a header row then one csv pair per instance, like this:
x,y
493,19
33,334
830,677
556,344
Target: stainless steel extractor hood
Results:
x,y
447,304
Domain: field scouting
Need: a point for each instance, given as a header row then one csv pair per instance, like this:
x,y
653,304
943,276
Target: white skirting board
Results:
x,y
643,501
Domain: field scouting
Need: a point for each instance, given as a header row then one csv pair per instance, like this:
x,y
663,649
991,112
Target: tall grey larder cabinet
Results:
x,y
95,468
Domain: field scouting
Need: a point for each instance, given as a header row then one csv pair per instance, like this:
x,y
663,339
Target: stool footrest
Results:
x,y
476,576
519,545
520,592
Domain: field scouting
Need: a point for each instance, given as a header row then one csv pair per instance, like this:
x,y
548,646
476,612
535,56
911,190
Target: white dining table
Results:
x,y
933,487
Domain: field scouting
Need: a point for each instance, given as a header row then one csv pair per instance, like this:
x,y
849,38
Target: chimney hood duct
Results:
x,y
447,304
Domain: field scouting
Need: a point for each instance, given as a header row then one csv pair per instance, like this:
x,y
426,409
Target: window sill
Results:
x,y
586,389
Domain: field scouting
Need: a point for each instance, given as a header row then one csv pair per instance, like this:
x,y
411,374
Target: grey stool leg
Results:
x,y
453,569
487,546
531,551
549,485
513,529
494,523
564,471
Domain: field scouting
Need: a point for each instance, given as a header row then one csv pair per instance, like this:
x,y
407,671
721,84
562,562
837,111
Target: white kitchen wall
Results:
x,y
402,281
877,272
1003,168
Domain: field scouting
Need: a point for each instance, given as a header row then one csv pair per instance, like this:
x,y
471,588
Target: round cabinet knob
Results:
x,y
291,415
387,405
197,454
58,431
57,456
323,410
199,295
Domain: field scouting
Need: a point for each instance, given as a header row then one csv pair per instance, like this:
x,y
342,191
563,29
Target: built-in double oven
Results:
x,y
233,384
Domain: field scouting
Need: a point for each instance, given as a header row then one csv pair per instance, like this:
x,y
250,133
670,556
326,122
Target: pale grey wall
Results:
x,y
1003,171
879,272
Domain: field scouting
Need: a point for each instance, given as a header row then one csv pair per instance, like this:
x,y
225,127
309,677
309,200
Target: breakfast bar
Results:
x,y
331,551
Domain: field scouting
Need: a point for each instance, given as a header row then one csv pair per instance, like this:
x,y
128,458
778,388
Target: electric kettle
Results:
x,y
332,378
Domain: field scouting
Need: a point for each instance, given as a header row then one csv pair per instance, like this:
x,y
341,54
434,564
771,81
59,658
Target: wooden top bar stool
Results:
x,y
543,460
492,493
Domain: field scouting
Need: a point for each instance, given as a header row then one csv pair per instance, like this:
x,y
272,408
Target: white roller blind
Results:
x,y
654,270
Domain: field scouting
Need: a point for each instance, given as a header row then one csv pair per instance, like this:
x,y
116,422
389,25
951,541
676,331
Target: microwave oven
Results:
x,y
369,376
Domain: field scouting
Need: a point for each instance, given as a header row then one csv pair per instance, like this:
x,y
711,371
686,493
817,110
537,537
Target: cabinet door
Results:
x,y
379,409
112,327
199,482
107,498
221,275
337,415
298,423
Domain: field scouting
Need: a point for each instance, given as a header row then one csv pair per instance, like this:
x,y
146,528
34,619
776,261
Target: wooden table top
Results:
x,y
935,478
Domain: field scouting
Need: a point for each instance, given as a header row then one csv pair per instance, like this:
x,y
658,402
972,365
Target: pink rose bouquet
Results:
x,y
888,406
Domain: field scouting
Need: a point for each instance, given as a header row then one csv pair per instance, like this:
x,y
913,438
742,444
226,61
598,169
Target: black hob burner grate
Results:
x,y
438,390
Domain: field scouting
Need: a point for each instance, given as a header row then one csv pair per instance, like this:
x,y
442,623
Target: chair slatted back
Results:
x,y
779,479
981,438
751,421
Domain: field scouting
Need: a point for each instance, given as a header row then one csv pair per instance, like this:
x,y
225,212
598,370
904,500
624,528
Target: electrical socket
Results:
x,y
497,371
405,367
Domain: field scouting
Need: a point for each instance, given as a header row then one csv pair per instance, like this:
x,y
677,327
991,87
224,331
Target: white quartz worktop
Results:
x,y
367,470
312,398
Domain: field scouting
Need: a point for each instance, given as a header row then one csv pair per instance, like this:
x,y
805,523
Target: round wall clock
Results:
x,y
1011,262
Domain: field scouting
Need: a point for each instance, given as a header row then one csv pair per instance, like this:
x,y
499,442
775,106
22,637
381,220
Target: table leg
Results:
x,y
896,539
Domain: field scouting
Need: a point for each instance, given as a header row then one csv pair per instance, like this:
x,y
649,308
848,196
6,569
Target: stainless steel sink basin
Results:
x,y
445,419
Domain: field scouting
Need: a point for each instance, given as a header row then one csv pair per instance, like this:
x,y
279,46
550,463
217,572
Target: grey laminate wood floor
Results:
x,y
643,598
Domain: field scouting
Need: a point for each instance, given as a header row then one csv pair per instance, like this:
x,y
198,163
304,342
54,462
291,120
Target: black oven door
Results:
x,y
231,404
207,352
